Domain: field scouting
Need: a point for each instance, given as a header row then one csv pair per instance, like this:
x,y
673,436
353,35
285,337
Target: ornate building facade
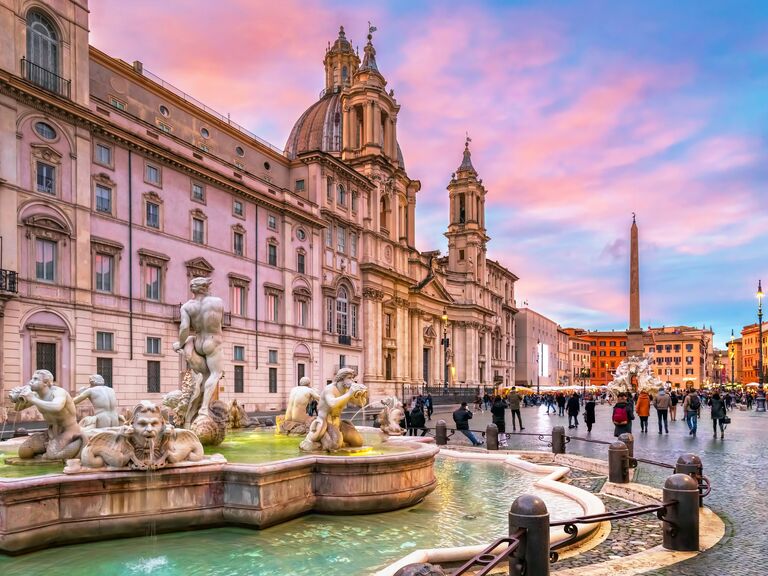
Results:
x,y
116,188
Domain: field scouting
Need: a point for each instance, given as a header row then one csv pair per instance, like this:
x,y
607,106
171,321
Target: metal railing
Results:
x,y
9,281
46,79
487,560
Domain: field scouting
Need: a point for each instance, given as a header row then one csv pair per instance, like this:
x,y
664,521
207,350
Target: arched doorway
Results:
x,y
46,344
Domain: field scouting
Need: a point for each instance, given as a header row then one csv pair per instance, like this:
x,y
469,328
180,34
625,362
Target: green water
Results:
x,y
469,506
24,471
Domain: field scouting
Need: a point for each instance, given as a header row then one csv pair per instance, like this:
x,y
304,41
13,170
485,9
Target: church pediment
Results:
x,y
433,288
429,333
198,267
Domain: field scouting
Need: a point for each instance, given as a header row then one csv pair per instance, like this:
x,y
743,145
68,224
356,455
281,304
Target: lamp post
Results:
x,y
584,373
445,347
732,354
760,400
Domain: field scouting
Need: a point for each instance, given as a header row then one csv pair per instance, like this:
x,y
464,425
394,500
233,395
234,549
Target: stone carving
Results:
x,y
296,421
389,418
420,570
638,366
328,431
104,402
200,341
63,439
238,417
147,443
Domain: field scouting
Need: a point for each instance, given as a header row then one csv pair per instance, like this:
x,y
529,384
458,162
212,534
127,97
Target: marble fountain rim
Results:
x,y
550,480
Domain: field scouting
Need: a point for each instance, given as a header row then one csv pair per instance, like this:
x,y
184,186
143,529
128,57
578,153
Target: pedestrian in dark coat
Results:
x,y
589,412
623,414
499,412
718,413
418,422
573,407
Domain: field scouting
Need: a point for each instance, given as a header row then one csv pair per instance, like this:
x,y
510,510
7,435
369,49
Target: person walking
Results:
x,y
428,404
560,404
589,412
674,399
514,399
461,417
550,402
573,410
499,413
718,413
691,407
662,402
643,409
622,415
418,422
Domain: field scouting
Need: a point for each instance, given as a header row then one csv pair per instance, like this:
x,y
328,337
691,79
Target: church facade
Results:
x,y
116,189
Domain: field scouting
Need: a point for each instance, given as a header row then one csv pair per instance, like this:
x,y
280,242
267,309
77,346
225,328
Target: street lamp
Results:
x,y
584,373
732,354
445,346
760,400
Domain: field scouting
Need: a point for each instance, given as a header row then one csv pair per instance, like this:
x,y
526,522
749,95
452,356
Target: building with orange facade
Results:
x,y
606,351
749,356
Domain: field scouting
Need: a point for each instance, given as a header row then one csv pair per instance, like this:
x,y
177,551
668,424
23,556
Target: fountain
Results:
x,y
638,367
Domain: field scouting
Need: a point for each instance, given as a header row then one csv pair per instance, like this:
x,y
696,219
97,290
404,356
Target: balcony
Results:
x,y
44,78
9,281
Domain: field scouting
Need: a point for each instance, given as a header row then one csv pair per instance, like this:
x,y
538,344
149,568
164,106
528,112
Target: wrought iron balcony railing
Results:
x,y
45,78
9,281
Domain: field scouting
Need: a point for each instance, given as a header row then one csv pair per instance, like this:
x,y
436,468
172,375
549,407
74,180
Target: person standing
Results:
x,y
429,406
718,413
461,417
499,413
643,409
417,421
560,404
622,415
662,402
691,407
674,399
514,399
573,410
589,412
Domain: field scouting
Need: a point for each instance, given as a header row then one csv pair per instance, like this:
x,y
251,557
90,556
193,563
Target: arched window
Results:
x,y
42,50
341,198
384,214
344,74
342,314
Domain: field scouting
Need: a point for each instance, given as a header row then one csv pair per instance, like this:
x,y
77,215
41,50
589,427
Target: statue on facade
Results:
x,y
390,417
104,402
328,431
63,439
147,443
200,341
297,419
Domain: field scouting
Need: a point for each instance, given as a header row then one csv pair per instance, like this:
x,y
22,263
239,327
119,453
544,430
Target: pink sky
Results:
x,y
578,116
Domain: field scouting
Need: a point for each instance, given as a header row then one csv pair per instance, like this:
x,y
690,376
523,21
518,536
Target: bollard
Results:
x,y
629,440
691,464
492,437
558,440
681,522
532,555
618,463
441,433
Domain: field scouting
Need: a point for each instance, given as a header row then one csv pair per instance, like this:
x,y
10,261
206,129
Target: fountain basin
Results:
x,y
57,509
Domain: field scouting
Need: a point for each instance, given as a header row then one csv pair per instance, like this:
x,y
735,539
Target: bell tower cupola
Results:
x,y
341,63
466,233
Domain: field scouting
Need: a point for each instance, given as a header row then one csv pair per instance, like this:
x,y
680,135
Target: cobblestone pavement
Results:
x,y
736,466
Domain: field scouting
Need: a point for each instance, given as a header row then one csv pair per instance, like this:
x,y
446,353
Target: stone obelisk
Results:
x,y
634,332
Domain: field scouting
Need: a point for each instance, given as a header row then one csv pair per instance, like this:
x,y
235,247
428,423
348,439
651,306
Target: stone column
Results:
x,y
347,141
377,137
369,122
416,346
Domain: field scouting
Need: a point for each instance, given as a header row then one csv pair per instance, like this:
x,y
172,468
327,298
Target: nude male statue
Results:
x,y
63,439
104,403
299,399
328,431
200,341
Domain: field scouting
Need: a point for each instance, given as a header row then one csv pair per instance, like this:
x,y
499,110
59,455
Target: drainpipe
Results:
x,y
130,256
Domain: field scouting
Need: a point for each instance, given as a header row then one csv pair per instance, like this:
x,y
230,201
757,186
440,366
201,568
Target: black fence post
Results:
x,y
532,555
492,436
691,464
629,441
681,521
558,440
441,433
618,463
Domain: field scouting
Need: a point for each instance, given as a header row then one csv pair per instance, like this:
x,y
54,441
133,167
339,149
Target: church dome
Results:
x,y
319,128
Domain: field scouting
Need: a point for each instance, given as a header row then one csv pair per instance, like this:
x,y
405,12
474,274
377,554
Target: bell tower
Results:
x,y
466,233
341,63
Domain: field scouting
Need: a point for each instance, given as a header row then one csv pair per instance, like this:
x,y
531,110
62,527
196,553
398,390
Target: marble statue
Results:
x,y
200,340
328,431
389,418
63,439
640,367
238,417
147,443
296,421
104,402
420,570
210,429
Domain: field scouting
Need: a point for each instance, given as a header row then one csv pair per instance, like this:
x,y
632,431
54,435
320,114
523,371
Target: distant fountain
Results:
x,y
390,417
296,421
638,367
